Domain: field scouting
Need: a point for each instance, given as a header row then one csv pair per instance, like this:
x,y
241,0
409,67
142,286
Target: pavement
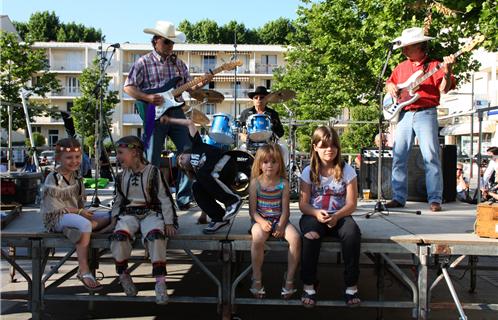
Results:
x,y
183,277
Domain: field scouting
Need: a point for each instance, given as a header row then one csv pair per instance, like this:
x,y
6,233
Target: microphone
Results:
x,y
115,45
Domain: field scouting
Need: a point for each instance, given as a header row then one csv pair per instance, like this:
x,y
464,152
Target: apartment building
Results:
x,y
68,60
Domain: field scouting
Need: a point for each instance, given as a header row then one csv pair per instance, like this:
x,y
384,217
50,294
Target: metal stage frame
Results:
x,y
382,236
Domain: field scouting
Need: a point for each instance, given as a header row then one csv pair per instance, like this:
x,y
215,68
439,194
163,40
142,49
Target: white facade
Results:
x,y
67,61
480,91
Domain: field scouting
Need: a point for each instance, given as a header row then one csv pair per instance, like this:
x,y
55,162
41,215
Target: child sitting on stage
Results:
x,y
269,211
328,198
214,171
142,203
63,197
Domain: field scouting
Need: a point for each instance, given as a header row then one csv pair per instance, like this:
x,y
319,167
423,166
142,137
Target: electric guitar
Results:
x,y
169,92
407,90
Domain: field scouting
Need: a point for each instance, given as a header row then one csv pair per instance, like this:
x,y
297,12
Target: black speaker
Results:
x,y
416,173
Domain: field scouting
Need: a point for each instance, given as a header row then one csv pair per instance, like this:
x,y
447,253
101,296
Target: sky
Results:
x,y
124,20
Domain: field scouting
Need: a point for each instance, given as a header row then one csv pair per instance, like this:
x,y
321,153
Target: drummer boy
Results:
x,y
260,107
214,172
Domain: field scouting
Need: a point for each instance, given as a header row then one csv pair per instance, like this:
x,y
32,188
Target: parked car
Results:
x,y
47,157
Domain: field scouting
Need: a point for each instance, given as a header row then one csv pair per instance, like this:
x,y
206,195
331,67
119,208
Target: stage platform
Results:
x,y
438,240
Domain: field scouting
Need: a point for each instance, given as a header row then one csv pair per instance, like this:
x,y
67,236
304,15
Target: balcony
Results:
x,y
132,119
66,92
265,68
59,65
229,93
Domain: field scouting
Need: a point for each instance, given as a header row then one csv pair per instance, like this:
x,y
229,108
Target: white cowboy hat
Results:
x,y
167,30
410,36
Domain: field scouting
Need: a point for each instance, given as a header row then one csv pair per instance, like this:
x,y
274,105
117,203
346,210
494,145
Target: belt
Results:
x,y
136,210
419,109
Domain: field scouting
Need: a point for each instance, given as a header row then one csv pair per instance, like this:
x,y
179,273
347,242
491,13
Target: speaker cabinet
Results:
x,y
416,173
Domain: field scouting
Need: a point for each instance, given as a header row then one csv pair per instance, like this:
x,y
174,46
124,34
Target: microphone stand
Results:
x,y
380,206
100,119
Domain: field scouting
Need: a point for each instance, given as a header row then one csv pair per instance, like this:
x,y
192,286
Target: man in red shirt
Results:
x,y
418,118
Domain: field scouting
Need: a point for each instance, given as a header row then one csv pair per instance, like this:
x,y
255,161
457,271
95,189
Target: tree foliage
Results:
x,y
19,64
46,26
208,31
339,46
38,138
84,109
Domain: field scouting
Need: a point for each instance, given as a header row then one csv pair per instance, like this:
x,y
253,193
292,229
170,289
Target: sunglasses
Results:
x,y
168,42
258,97
459,169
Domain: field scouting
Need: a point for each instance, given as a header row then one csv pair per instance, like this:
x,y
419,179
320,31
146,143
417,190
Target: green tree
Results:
x,y
38,139
276,31
83,111
22,67
45,26
244,35
338,50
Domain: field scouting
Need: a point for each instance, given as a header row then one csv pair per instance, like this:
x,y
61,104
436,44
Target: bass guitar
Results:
x,y
169,93
391,107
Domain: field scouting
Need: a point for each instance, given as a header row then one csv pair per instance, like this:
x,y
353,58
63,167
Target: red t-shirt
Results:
x,y
428,90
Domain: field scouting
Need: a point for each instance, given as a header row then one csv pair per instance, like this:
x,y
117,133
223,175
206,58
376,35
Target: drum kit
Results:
x,y
241,142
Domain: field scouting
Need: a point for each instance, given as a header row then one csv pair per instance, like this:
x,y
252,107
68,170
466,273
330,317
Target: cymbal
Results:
x,y
280,96
198,117
209,96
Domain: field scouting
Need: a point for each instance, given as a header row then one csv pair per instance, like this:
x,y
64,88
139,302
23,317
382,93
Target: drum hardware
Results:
x,y
207,96
280,96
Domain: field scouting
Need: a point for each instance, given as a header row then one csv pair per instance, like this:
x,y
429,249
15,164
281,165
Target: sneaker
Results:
x,y
161,293
214,226
232,210
128,286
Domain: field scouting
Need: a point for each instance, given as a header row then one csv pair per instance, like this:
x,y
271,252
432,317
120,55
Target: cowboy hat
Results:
x,y
410,36
167,30
260,90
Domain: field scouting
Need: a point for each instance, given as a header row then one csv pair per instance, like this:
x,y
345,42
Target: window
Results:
x,y
209,108
268,84
53,137
72,85
69,106
209,62
139,133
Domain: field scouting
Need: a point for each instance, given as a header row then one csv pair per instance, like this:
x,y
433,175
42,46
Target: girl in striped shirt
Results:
x,y
269,210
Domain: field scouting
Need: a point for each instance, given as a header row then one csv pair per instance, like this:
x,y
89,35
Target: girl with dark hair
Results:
x,y
328,198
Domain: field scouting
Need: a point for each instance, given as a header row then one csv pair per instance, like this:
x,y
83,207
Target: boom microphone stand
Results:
x,y
380,206
100,118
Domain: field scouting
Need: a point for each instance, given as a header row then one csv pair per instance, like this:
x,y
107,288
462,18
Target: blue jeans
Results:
x,y
181,138
424,125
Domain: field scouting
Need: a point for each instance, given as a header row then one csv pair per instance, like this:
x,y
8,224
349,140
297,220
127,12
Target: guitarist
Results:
x,y
419,118
154,70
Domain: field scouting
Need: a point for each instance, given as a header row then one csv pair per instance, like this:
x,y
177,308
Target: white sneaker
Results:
x,y
128,286
232,210
161,293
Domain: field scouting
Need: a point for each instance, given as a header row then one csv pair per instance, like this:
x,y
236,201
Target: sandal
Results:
x,y
311,296
89,276
287,293
352,300
257,293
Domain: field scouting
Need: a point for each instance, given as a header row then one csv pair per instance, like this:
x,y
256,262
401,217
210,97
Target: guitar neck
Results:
x,y
184,87
431,72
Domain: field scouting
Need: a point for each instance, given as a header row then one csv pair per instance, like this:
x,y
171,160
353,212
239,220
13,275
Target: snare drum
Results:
x,y
221,130
259,127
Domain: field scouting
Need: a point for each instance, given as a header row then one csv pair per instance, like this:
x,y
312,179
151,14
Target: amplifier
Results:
x,y
416,173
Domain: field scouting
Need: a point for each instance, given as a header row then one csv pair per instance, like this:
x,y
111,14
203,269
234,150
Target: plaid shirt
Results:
x,y
152,71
